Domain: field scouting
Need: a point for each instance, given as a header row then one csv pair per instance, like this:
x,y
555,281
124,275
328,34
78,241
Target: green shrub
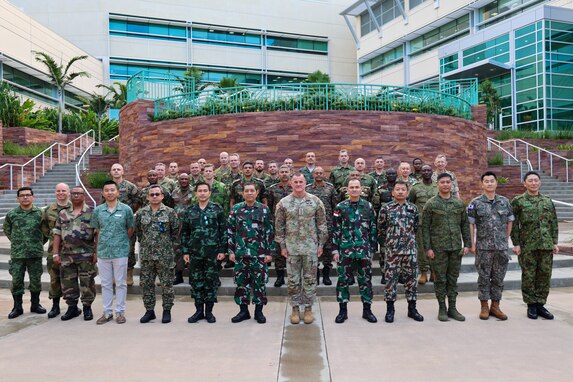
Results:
x,y
495,160
565,147
96,179
502,180
524,134
110,150
11,148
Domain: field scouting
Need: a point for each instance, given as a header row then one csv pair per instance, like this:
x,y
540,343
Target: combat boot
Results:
x,y
242,315
55,308
543,312
199,314
88,314
453,312
496,311
342,313
259,316
209,312
178,278
317,275
326,276
532,311
295,315
484,312
148,316
166,317
35,307
308,318
383,279
413,312
72,312
443,311
389,317
367,313
423,278
280,279
17,309
129,279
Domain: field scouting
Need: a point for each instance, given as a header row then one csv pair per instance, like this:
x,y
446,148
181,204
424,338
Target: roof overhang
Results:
x,y
481,70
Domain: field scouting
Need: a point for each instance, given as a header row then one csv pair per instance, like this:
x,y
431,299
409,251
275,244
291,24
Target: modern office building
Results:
x,y
524,47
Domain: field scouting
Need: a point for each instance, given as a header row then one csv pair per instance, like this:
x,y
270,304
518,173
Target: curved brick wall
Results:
x,y
277,135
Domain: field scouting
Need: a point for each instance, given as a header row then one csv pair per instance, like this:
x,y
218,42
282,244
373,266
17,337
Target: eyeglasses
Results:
x,y
154,195
77,193
25,195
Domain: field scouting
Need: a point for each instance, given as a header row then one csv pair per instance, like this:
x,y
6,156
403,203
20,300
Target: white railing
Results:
x,y
562,203
45,160
81,166
510,157
114,138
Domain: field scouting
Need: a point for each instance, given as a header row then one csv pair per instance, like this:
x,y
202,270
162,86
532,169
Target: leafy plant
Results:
x,y
495,160
13,111
11,148
118,93
488,95
502,180
524,134
96,179
565,147
110,150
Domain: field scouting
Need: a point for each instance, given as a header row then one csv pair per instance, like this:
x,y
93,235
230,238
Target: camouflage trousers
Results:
x,y
279,260
132,259
150,269
536,268
491,267
345,270
301,271
55,282
204,278
423,261
78,267
18,269
446,265
403,268
326,258
250,273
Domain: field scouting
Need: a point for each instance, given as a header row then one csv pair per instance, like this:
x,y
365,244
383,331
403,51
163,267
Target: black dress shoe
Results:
x,y
542,312
532,311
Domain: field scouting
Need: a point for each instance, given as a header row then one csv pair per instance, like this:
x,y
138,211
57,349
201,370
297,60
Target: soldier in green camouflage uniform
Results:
x,y
339,174
195,174
534,235
301,231
259,172
234,173
49,222
251,246
416,174
23,227
444,225
383,195
310,159
182,198
157,229
419,194
224,167
379,174
219,193
354,240
404,172
204,241
236,189
440,164
152,179
398,222
273,177
368,186
173,172
166,183
327,195
275,193
74,241
492,216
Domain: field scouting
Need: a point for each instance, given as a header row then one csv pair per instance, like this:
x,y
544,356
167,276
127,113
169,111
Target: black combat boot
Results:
x,y
72,312
367,313
178,278
383,279
342,313
280,279
198,315
413,312
259,316
209,312
55,308
317,275
532,311
35,307
88,314
543,312
326,276
148,316
166,317
389,318
242,315
17,310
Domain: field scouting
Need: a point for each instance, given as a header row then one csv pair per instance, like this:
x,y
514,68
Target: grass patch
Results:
x,y
11,148
521,134
110,150
96,179
495,160
565,147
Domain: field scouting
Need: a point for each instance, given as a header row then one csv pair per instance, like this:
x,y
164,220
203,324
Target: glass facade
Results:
x,y
497,49
559,74
441,35
381,61
147,29
500,10
415,3
384,12
210,36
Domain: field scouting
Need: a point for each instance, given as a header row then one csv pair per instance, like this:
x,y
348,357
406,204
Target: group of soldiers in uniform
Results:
x,y
241,217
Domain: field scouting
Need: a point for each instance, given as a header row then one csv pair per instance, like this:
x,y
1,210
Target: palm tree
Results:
x,y
60,78
118,93
488,95
99,105
227,82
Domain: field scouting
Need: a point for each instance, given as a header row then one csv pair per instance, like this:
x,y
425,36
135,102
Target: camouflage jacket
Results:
x,y
380,179
455,187
167,199
76,232
204,231
24,230
328,197
397,226
262,175
193,181
229,178
219,195
307,174
445,224
490,219
168,184
128,194
182,199
236,190
222,172
535,226
250,232
49,217
157,232
269,181
368,188
354,231
421,193
410,181
382,195
274,195
300,225
417,177
338,175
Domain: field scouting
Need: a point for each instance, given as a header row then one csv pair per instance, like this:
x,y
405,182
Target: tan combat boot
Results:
x,y
496,312
295,315
308,318
484,312
423,278
129,280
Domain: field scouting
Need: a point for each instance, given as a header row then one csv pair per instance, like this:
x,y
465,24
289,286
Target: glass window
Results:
x,y
415,3
440,34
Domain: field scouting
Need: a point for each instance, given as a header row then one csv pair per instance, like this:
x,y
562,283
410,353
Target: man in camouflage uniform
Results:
x,y
74,250
182,197
419,194
173,172
251,245
236,189
234,173
49,222
301,231
341,172
204,241
417,164
157,229
310,159
275,193
491,215
23,227
404,172
195,174
440,164
273,177
368,186
219,192
224,168
289,162
379,174
327,195
445,228
202,162
354,241
166,183
534,236
259,172
398,221
152,179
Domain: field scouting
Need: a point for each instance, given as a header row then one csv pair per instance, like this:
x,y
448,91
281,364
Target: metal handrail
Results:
x,y
114,138
49,150
497,143
562,203
81,164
